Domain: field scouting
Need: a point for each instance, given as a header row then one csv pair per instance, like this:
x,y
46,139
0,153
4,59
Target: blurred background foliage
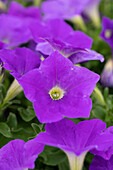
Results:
x,y
18,119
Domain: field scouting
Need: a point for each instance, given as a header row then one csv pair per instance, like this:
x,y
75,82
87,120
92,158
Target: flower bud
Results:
x,y
92,11
13,91
2,71
2,6
79,22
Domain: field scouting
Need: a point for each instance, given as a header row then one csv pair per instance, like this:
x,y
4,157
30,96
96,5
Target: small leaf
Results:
x,y
5,130
23,134
4,140
106,92
2,93
28,114
52,156
2,89
36,128
99,112
64,165
12,120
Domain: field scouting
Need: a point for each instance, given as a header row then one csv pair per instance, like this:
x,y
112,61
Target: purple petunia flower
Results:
x,y
99,163
73,44
59,89
109,151
2,45
70,9
18,155
19,61
107,30
16,9
65,9
76,140
14,29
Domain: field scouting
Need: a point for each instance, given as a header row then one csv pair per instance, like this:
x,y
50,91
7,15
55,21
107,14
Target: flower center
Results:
x,y
56,93
108,33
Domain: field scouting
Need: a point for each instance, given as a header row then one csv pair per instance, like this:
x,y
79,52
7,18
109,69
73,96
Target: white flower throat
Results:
x,y
56,93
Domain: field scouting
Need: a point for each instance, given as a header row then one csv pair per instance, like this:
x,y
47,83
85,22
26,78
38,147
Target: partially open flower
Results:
x,y
74,45
92,11
64,9
107,74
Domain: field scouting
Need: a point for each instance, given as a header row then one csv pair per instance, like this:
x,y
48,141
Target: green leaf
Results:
x,y
12,120
52,156
2,93
64,165
99,112
106,92
36,128
5,130
23,134
3,106
4,140
28,114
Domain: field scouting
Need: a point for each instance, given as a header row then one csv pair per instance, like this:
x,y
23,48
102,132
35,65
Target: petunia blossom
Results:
x,y
16,9
64,9
13,31
72,44
107,31
18,155
107,154
99,163
19,61
2,45
59,89
76,140
71,10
